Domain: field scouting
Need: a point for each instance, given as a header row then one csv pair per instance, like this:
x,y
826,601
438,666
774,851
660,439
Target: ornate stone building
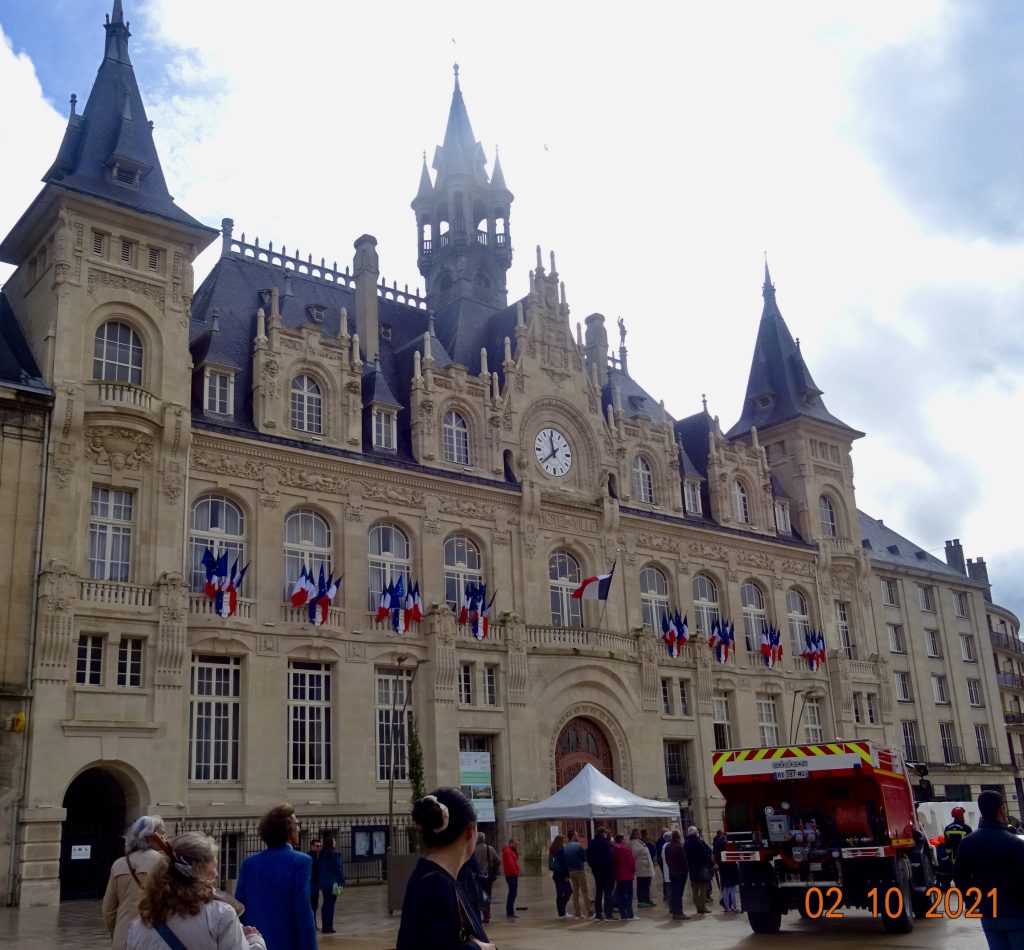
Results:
x,y
293,412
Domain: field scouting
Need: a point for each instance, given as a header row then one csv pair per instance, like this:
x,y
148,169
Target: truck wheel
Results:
x,y
764,921
920,900
904,922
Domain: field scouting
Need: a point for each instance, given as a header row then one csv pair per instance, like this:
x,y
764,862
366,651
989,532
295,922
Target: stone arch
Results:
x,y
128,309
621,766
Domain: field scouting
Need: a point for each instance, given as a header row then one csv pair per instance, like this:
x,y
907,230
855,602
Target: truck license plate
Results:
x,y
791,773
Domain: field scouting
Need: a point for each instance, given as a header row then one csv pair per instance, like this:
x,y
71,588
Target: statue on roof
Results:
x,y
622,332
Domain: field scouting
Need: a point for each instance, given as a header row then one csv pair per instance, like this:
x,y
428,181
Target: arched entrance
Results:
x,y
90,838
581,741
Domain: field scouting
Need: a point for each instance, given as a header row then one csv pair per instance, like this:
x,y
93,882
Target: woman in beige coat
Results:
x,y
128,877
644,869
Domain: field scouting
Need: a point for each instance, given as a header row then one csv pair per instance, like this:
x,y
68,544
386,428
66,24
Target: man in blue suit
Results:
x,y
274,885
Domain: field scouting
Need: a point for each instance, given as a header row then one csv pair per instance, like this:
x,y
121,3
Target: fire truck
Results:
x,y
816,828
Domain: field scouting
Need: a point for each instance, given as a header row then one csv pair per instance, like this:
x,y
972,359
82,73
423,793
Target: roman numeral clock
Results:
x,y
553,452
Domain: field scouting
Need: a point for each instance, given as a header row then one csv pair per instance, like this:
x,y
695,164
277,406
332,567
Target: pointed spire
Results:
x,y
498,176
768,289
426,189
460,152
117,35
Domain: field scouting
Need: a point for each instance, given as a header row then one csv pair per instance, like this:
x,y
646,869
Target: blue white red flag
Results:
x,y
384,604
417,603
595,588
300,592
209,562
670,634
398,623
468,596
476,612
684,629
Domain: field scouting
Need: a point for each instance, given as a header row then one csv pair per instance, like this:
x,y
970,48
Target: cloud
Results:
x,y
941,114
1007,576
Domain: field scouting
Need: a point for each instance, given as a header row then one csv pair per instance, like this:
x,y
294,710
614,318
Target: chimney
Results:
x,y
955,555
977,570
366,270
596,339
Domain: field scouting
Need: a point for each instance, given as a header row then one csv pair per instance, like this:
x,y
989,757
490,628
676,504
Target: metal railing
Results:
x,y
1011,680
1013,719
1004,641
915,752
987,755
951,754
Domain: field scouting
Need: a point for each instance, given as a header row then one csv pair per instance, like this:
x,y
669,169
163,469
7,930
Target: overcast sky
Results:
x,y
874,150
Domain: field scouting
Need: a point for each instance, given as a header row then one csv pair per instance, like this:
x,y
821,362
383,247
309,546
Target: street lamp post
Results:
x,y
399,660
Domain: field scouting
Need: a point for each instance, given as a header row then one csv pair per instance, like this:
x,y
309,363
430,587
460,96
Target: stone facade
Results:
x,y
136,681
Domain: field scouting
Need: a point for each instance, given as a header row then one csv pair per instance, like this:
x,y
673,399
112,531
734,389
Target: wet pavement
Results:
x,y
364,924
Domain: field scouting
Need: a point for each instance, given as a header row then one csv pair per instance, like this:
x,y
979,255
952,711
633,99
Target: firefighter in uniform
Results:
x,y
956,831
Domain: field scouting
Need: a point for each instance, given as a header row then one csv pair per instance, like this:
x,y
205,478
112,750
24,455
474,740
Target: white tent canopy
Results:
x,y
593,795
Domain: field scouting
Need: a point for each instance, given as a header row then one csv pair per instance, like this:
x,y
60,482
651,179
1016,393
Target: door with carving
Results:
x,y
581,741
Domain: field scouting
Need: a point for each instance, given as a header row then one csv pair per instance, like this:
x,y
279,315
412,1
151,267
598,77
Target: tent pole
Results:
x,y
591,829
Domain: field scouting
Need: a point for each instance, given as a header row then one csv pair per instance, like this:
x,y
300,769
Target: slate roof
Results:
x,y
636,401
692,432
780,386
17,364
889,549
112,128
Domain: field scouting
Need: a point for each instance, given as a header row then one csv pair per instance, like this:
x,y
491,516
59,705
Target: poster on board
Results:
x,y
475,779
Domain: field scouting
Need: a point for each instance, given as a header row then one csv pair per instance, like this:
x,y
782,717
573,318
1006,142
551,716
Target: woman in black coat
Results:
x,y
437,914
330,878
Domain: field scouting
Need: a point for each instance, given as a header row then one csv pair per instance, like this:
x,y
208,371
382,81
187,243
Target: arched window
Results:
x,y
705,603
456,438
462,566
563,579
307,540
799,621
117,354
827,515
653,596
307,405
740,508
218,524
755,617
389,559
643,481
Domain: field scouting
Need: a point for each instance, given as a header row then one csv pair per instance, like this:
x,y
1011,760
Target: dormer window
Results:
x,y
316,314
782,522
384,429
125,176
763,402
740,506
385,331
219,392
691,496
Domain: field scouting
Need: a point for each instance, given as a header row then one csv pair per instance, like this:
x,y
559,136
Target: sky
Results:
x,y
874,151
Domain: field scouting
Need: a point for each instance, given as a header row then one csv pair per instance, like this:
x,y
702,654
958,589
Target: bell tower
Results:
x,y
462,217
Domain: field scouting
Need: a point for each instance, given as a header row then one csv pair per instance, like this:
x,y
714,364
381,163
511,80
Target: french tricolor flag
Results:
x,y
595,588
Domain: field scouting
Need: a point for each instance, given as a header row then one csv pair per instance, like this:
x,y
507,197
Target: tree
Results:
x,y
417,777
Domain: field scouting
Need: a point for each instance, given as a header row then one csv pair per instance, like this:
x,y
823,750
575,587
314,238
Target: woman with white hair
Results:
x,y
128,877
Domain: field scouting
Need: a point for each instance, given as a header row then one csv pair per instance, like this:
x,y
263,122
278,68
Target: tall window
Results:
x,y
490,685
214,718
89,666
666,696
932,643
755,616
827,517
691,496
466,684
129,662
220,388
677,769
961,604
307,540
904,693
462,566
858,708
843,628
705,603
563,579
456,438
890,592
740,507
947,737
872,704
926,597
309,720
911,746
117,354
110,533
896,641
974,694
967,647
389,559
653,596
684,697
782,521
986,754
217,524
720,719
643,481
767,720
799,621
394,692
812,721
384,429
940,689
307,405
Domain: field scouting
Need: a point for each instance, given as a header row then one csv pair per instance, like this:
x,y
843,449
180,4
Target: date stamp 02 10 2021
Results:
x,y
827,904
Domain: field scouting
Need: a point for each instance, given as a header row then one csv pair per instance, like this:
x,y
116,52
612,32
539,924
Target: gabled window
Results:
x,y
117,354
455,437
219,392
827,517
643,481
740,507
384,429
307,405
563,578
111,517
691,496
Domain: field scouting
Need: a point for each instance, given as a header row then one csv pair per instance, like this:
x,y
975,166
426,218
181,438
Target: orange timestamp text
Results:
x,y
828,904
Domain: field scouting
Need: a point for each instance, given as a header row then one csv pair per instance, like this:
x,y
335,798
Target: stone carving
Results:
x,y
464,508
227,465
173,596
120,448
172,484
394,495
64,463
655,542
102,278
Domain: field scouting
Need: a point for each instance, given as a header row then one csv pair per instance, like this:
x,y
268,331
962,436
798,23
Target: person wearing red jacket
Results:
x,y
625,870
510,868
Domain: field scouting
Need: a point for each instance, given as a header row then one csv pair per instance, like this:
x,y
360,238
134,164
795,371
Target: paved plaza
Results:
x,y
364,924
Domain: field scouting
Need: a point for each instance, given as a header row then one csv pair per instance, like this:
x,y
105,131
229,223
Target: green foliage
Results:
x,y
417,776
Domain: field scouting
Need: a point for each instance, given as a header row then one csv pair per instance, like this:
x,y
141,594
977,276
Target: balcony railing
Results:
x,y
1013,719
112,594
987,755
1003,641
952,754
300,615
1011,680
121,394
199,605
915,752
581,637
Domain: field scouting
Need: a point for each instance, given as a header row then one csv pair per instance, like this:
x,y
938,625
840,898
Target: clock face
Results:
x,y
553,452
